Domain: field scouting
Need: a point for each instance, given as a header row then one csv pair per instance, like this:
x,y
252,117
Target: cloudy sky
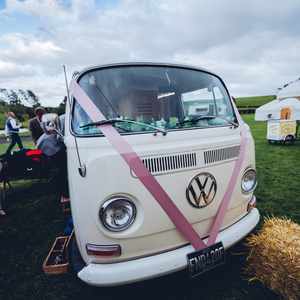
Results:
x,y
254,45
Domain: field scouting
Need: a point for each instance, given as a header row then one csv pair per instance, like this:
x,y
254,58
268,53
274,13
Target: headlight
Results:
x,y
118,213
249,181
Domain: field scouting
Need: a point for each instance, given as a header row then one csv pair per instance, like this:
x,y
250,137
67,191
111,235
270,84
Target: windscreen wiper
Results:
x,y
114,121
207,117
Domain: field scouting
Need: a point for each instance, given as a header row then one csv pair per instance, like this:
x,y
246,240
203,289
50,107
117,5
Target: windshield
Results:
x,y
171,98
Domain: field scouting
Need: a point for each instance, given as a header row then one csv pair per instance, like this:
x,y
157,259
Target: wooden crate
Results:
x,y
57,260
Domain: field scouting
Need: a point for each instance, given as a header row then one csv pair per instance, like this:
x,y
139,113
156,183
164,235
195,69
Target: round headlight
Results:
x,y
117,214
249,181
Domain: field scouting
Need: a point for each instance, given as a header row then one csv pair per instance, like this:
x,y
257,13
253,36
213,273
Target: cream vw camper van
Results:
x,y
186,136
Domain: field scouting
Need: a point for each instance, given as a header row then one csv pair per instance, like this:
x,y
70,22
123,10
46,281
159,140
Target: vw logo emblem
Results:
x,y
201,190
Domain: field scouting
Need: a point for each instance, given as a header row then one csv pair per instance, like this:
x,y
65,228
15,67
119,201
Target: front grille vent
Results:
x,y
212,156
163,164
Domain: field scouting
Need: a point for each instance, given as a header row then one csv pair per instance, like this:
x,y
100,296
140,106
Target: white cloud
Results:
x,y
49,89
253,45
11,70
22,48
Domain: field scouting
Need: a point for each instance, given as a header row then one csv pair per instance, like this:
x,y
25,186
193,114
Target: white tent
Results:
x,y
272,110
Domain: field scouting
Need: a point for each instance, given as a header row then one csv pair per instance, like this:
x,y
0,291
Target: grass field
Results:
x,y
35,219
26,144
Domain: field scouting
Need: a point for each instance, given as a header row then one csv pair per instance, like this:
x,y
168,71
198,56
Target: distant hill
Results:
x,y
255,101
19,97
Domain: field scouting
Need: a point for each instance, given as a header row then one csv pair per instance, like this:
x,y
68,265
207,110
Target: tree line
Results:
x,y
22,103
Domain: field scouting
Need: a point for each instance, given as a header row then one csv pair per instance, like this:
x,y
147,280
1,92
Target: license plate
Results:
x,y
206,259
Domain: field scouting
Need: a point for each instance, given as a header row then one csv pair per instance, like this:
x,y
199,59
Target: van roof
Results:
x,y
90,68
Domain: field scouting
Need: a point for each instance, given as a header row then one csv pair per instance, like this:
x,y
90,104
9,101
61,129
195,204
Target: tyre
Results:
x,y
289,140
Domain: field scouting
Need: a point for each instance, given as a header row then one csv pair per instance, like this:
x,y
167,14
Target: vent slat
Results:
x,y
168,163
212,156
155,164
173,163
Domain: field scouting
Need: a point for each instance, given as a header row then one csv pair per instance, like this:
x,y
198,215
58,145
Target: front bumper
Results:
x,y
161,264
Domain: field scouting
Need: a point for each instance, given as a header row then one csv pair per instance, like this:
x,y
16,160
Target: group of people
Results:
x,y
12,128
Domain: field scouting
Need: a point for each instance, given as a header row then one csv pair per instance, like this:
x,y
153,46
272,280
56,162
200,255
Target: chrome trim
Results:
x,y
91,249
202,196
110,201
255,185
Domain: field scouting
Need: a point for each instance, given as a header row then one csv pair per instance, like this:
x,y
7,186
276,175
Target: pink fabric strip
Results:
x,y
217,223
149,181
135,163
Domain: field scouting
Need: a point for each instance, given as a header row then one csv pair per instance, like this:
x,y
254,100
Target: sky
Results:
x,y
253,45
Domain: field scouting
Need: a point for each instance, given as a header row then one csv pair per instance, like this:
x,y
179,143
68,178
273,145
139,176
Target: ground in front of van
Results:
x,y
35,219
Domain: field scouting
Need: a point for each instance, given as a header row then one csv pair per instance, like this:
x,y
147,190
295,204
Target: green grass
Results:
x,y
26,144
35,219
278,168
243,102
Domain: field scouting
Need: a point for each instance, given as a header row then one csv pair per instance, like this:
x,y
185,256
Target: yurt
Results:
x,y
282,114
286,109
290,90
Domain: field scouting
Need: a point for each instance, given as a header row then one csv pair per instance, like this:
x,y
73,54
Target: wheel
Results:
x,y
75,259
289,140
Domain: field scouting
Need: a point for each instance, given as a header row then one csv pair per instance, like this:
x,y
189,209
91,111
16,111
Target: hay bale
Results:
x,y
274,257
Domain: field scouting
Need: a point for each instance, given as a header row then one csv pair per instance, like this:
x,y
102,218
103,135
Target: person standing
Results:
x,y
12,128
35,124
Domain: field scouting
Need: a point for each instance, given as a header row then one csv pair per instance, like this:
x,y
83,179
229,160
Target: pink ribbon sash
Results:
x,y
148,180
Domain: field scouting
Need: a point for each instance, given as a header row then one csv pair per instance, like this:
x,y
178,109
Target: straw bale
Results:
x,y
274,257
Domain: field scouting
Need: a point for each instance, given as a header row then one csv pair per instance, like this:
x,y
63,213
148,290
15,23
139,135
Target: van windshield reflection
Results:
x,y
153,98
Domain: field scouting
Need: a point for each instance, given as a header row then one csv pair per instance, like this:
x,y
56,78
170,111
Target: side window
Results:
x,y
79,118
223,109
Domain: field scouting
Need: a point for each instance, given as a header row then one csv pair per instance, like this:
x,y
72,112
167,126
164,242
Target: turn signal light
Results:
x,y
251,204
103,250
